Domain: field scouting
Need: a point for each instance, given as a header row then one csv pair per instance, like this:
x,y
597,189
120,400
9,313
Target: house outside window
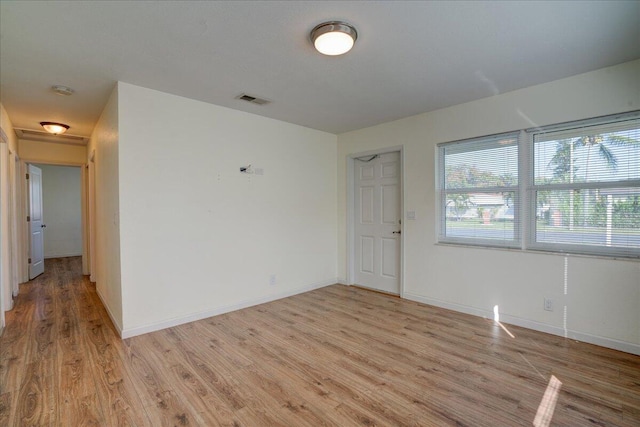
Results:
x,y
578,190
479,191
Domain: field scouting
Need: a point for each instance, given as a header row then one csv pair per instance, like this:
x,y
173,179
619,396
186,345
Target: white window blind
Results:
x,y
585,188
479,197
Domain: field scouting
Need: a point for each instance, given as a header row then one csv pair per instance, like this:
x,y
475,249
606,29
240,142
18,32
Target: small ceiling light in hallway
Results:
x,y
334,38
54,128
62,90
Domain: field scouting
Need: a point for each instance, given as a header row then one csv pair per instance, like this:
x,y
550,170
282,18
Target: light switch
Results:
x,y
411,214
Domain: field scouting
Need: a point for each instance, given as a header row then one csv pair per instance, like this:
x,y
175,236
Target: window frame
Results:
x,y
532,188
444,192
525,192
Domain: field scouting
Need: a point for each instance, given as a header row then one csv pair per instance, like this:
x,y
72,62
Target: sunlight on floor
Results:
x,y
496,317
548,403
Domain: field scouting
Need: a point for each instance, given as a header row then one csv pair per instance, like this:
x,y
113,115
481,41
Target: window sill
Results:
x,y
541,252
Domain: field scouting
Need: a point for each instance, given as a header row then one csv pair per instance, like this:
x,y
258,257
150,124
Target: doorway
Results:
x,y
56,214
375,220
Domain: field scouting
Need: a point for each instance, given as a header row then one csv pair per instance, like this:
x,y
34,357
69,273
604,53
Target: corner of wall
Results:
x,y
102,154
8,134
7,145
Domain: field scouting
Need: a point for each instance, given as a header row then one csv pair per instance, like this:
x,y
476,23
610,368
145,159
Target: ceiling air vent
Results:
x,y
35,135
253,99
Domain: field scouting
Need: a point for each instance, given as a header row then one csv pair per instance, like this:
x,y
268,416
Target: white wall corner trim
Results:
x,y
530,324
132,332
111,316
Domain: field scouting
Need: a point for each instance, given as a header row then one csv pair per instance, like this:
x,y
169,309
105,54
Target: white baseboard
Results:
x,y
67,255
342,281
531,324
113,320
132,332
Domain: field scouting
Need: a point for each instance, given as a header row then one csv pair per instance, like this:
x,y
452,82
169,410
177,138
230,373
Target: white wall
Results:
x,y
603,294
51,153
9,133
8,211
197,236
62,210
103,148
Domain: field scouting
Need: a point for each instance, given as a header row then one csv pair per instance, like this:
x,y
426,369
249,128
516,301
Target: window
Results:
x,y
479,197
585,187
582,180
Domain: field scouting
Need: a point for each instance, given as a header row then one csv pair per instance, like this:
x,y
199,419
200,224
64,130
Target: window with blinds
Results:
x,y
585,187
479,197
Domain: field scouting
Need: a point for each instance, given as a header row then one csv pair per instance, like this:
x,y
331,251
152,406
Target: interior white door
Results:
x,y
36,226
377,222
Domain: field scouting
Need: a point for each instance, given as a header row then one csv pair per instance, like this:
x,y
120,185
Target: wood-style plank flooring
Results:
x,y
336,356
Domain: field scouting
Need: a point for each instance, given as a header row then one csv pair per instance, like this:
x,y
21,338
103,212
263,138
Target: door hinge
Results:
x,y
29,260
27,176
28,218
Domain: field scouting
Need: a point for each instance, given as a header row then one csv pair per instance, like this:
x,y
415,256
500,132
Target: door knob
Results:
x,y
43,225
397,232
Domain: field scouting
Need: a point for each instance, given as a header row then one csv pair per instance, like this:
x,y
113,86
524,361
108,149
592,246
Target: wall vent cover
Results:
x,y
252,99
35,135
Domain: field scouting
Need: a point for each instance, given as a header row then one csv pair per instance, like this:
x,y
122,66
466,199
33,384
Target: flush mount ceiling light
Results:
x,y
333,38
54,128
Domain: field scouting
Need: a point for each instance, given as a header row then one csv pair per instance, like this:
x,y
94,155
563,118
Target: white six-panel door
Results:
x,y
377,222
36,254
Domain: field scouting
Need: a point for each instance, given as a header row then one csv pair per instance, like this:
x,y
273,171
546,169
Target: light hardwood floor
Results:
x,y
336,356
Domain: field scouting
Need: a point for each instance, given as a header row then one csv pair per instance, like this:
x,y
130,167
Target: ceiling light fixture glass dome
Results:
x,y
54,128
334,38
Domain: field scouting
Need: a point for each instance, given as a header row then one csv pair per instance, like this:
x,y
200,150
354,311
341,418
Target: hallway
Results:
x,y
56,366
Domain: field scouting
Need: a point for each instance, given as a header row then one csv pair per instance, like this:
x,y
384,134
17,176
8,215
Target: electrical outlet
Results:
x,y
548,304
272,280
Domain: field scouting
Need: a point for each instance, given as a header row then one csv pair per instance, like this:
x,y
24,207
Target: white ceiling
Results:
x,y
410,57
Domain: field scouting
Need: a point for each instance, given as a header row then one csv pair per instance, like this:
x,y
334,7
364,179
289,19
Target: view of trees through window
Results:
x,y
481,180
583,192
